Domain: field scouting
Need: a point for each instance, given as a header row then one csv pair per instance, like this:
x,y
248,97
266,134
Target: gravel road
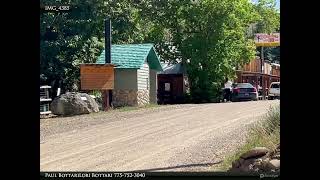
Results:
x,y
190,137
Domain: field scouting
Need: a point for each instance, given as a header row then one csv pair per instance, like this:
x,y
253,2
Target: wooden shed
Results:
x,y
135,74
172,84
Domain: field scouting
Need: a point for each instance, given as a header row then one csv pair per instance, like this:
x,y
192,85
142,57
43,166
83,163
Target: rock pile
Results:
x,y
259,159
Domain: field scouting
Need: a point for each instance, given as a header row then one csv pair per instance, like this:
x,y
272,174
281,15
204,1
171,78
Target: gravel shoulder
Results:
x,y
190,137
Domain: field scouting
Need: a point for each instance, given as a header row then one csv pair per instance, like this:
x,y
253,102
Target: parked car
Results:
x,y
274,90
244,91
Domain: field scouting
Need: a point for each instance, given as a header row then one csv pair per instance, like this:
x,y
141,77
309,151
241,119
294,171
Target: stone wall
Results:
x,y
130,98
124,98
143,97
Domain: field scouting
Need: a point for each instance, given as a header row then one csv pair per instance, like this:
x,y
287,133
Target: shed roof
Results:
x,y
132,56
178,68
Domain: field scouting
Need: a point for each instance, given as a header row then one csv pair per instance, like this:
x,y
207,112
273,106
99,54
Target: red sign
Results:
x,y
267,39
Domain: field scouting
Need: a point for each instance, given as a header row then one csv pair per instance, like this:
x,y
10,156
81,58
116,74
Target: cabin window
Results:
x,y
167,86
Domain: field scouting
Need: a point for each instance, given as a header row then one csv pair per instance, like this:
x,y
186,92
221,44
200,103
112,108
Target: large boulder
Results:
x,y
258,159
73,103
255,153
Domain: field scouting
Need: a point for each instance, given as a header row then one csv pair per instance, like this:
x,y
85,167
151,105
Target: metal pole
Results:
x,y
262,60
262,72
107,41
105,95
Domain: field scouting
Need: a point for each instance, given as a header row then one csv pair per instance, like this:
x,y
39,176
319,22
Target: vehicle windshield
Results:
x,y
243,85
275,86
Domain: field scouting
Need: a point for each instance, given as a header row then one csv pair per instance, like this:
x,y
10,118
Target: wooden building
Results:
x,y
172,84
259,74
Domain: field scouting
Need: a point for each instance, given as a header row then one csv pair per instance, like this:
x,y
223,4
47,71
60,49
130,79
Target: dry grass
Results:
x,y
265,133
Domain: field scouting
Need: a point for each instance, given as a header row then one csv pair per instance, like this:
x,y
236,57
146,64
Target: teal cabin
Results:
x,y
135,78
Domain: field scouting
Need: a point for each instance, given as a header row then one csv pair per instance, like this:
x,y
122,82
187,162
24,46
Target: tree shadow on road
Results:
x,y
179,166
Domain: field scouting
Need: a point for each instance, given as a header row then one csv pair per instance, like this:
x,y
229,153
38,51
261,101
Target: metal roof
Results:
x,y
178,68
132,56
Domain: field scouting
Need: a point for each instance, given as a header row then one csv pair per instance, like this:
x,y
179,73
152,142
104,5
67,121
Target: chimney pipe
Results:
x,y
107,41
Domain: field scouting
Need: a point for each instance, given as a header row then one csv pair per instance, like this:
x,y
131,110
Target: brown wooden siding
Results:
x,y
267,68
253,66
176,88
276,71
96,77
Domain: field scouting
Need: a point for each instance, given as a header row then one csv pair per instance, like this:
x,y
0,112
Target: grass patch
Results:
x,y
127,108
131,108
151,105
265,133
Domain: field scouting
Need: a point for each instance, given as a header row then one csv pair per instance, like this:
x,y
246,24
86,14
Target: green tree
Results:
x,y
68,39
269,22
272,54
269,17
209,36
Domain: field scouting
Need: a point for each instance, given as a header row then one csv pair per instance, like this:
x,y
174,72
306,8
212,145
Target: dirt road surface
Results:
x,y
190,137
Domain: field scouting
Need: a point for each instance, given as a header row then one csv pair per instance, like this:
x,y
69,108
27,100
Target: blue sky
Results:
x,y
278,3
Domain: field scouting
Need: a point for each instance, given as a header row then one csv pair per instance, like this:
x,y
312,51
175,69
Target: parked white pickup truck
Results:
x,y
274,90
